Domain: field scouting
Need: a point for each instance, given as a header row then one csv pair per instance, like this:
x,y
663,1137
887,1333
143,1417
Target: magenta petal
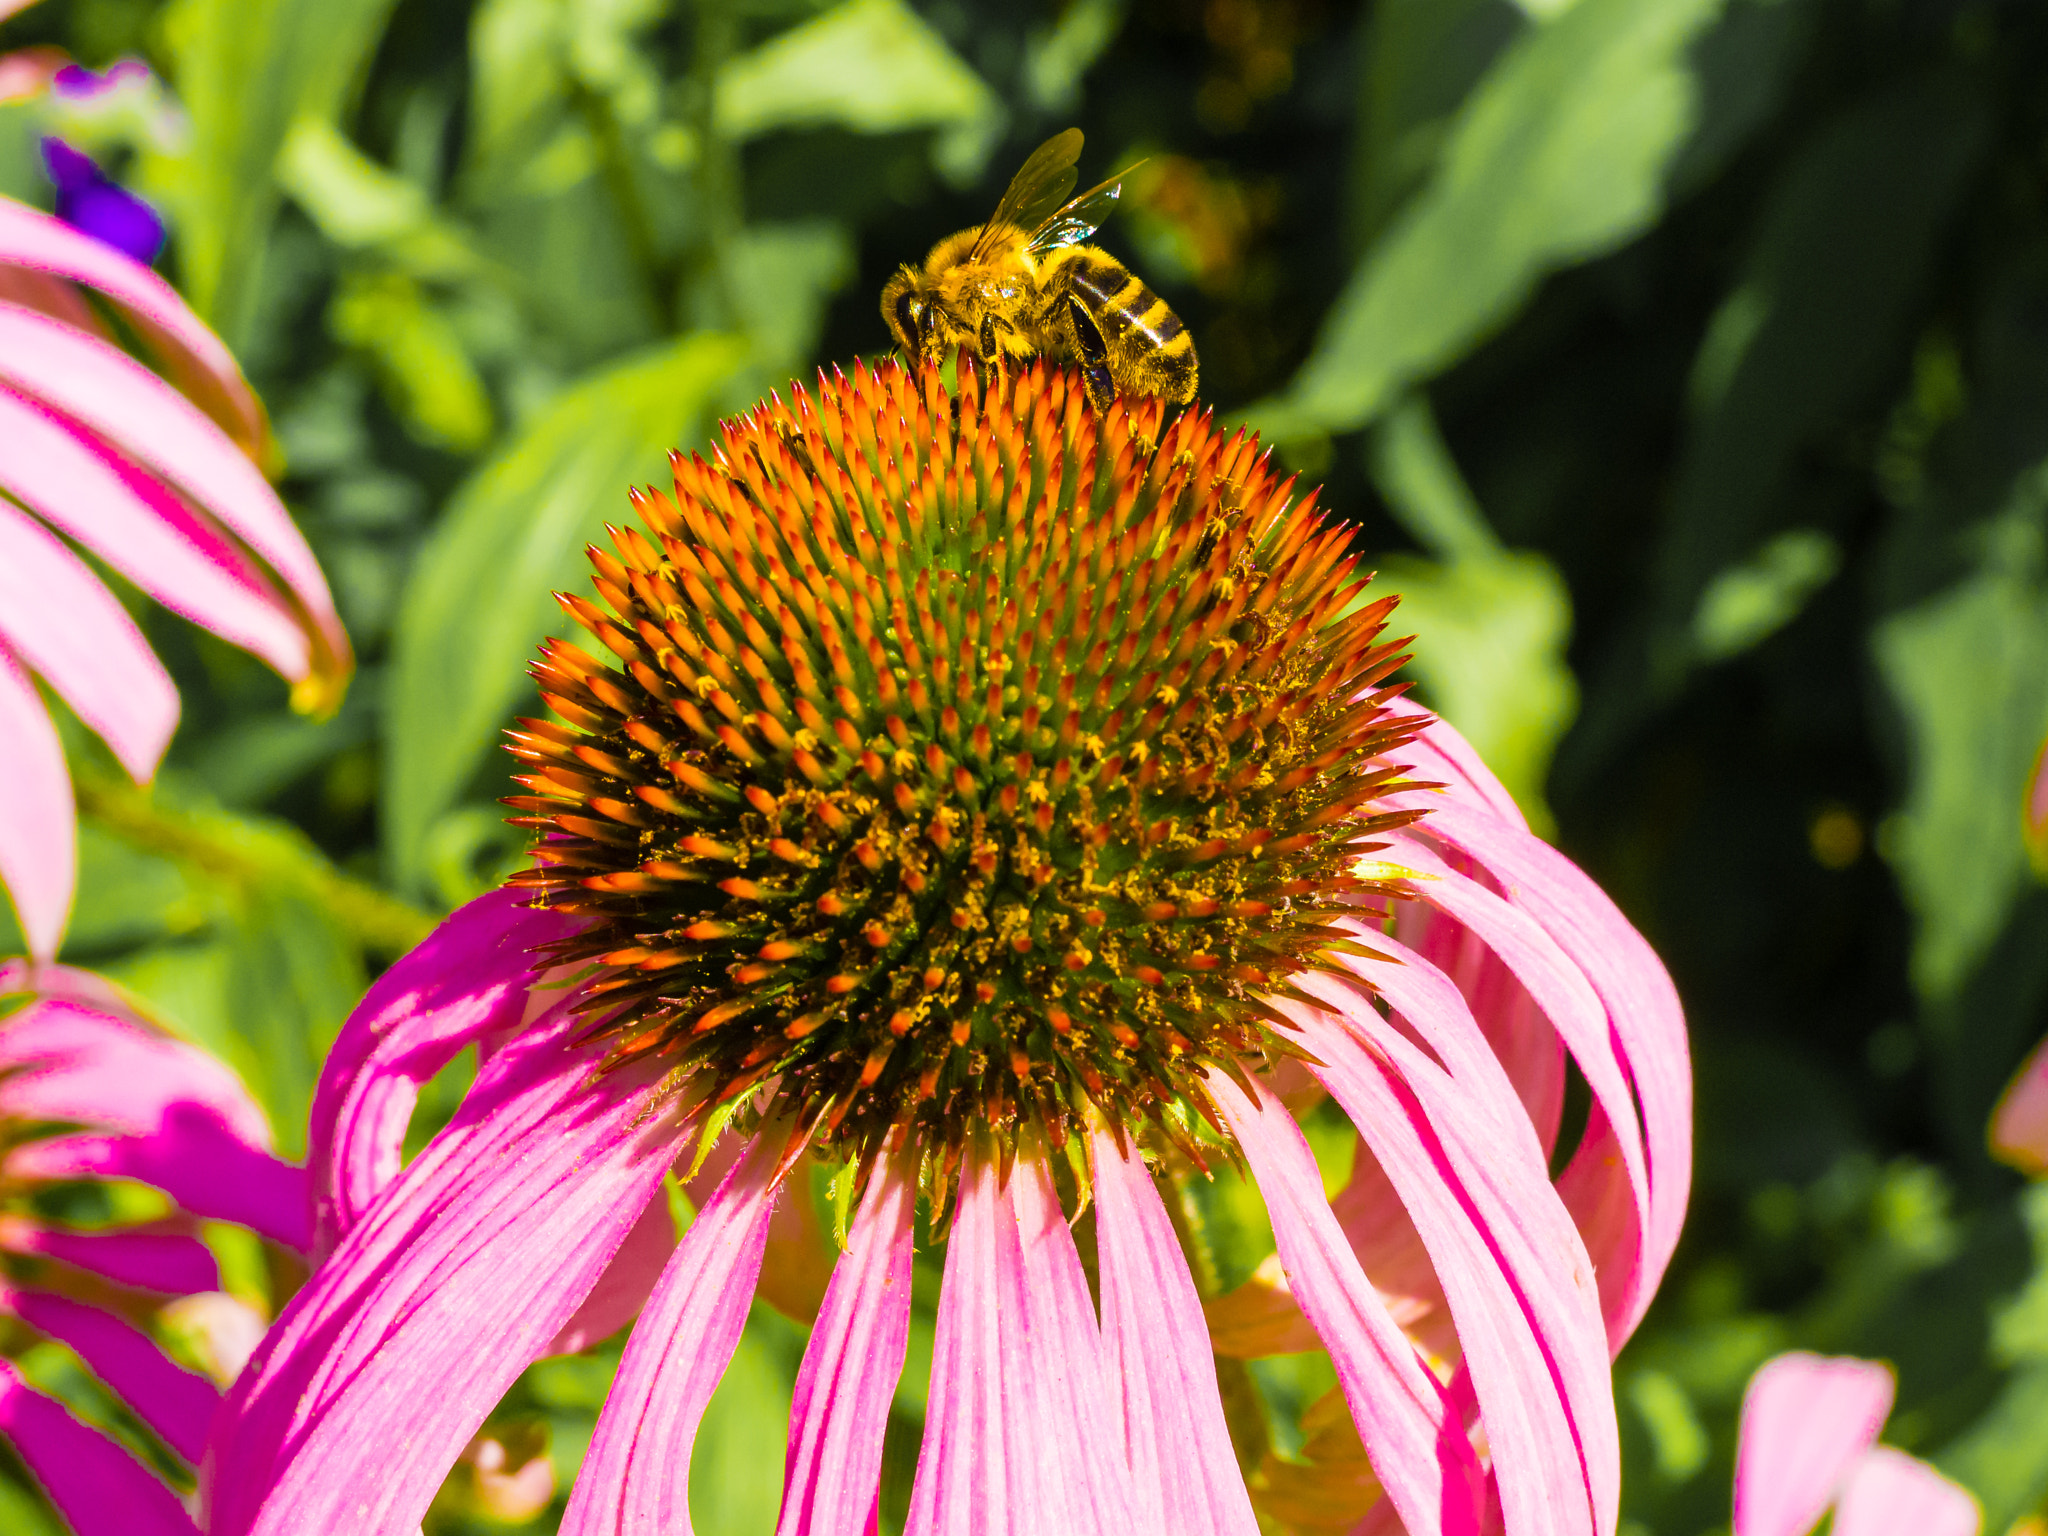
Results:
x,y
195,357
178,1404
468,979
1441,755
68,1057
170,1262
1647,1024
2019,1125
60,619
622,1290
117,397
38,828
1518,1283
1413,1436
636,1477
100,1488
1806,1419
832,1475
85,488
1020,1438
1157,1360
1892,1494
410,1333
195,1160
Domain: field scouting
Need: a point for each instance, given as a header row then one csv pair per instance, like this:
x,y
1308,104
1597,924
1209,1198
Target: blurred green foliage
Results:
x,y
1684,363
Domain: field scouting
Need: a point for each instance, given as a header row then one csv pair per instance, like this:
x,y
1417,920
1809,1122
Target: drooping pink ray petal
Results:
x,y
622,1290
60,619
79,483
1499,1166
1020,1439
1080,1478
1643,1012
1413,1436
175,1263
1889,1493
38,829
178,1404
1806,1419
64,1059
963,1478
1559,989
468,979
474,1258
117,397
1157,1361
1523,1039
1439,754
2019,1125
1519,1287
832,1474
100,1488
636,1477
196,359
193,1158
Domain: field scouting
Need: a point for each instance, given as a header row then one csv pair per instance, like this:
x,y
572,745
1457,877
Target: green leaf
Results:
x,y
481,597
736,1489
246,71
1559,155
1968,670
359,205
874,66
421,362
781,277
1748,603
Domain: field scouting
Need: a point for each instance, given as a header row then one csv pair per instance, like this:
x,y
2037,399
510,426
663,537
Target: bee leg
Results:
x,y
1093,352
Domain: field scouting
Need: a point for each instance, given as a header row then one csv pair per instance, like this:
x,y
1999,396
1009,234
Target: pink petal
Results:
x,y
63,1059
196,359
80,484
171,1400
175,1263
118,398
2019,1125
195,1160
627,1281
1806,1419
636,1477
1441,755
467,980
410,1333
1413,1436
1019,1437
832,1475
1519,1284
100,1488
1648,1032
1157,1359
1892,1494
38,829
58,617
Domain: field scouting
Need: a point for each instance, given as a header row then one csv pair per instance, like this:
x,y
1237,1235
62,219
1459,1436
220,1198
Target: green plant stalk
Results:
x,y
254,855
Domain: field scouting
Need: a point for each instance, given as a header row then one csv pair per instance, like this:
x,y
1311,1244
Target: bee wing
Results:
x,y
1036,191
1076,221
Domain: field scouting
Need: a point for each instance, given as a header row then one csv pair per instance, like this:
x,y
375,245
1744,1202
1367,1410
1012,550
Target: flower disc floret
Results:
x,y
968,760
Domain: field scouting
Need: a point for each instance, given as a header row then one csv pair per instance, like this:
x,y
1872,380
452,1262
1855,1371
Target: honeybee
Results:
x,y
1023,286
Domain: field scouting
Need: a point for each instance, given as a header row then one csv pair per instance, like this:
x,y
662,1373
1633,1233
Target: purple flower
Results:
x,y
138,1105
1005,804
88,201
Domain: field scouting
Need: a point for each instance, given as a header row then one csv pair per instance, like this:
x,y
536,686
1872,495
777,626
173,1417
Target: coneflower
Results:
x,y
988,797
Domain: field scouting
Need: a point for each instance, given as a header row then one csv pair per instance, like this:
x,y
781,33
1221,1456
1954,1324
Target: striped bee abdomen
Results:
x,y
1150,351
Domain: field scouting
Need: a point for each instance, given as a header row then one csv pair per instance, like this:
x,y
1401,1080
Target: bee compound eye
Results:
x,y
910,319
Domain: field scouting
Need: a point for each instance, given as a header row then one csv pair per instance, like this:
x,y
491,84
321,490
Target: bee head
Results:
x,y
907,309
